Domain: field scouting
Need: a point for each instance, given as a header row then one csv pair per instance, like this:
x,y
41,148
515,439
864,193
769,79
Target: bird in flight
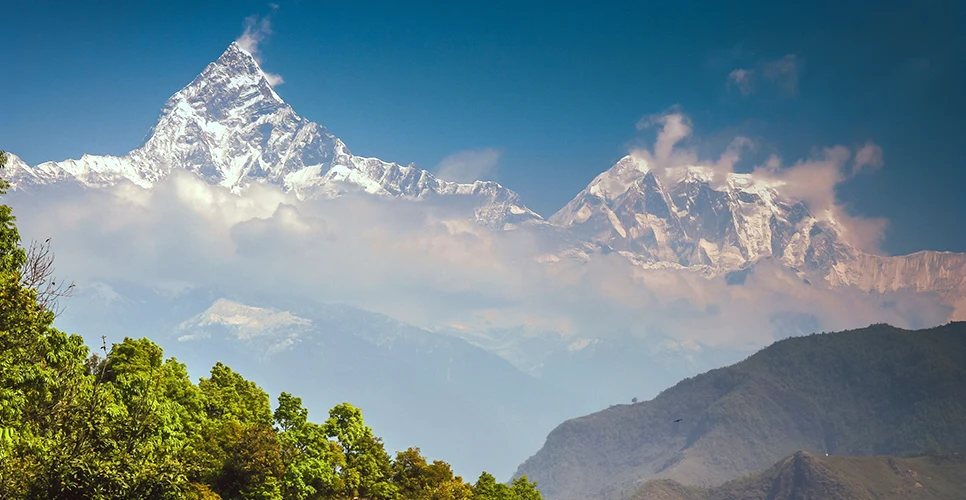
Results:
x,y
678,420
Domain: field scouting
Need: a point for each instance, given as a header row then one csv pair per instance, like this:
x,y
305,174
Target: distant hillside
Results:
x,y
875,391
806,476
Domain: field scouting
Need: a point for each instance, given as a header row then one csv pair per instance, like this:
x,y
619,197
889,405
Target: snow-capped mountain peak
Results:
x,y
231,128
697,218
693,216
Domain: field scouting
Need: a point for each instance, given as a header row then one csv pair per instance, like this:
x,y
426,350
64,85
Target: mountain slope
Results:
x,y
418,387
807,476
880,390
231,128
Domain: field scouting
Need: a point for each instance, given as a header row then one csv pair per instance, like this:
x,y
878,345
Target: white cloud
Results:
x,y
868,157
742,79
274,79
813,180
783,72
675,127
732,154
425,263
469,165
257,29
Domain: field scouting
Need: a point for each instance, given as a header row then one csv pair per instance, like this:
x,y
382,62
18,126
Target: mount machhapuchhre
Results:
x,y
230,127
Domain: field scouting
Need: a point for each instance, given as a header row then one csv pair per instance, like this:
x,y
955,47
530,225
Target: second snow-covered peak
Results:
x,y
696,216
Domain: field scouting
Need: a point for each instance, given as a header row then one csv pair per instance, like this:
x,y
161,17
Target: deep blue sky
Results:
x,y
557,90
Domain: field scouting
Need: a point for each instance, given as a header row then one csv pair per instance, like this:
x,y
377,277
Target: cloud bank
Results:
x,y
425,262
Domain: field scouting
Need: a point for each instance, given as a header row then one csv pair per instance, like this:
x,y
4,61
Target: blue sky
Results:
x,y
554,91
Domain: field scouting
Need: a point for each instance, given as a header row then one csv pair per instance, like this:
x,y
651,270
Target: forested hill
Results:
x,y
128,423
804,475
878,390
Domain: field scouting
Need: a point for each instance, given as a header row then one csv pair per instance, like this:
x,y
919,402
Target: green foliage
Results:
x,y
367,469
311,461
229,396
418,480
128,423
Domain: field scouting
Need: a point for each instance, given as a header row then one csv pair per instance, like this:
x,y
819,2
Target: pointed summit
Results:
x,y
235,74
235,50
230,127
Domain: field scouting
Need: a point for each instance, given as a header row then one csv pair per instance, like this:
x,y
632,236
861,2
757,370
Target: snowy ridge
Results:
x,y
925,271
230,127
271,330
691,218
683,217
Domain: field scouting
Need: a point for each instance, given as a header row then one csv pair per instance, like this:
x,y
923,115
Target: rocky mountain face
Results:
x,y
689,221
694,218
231,128
880,390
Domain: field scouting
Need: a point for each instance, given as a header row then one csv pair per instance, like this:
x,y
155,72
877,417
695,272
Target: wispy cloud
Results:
x,y
674,127
783,72
868,157
421,262
257,29
469,165
742,80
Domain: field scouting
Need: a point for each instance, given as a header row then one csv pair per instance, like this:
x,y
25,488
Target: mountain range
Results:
x,y
455,400
231,128
875,391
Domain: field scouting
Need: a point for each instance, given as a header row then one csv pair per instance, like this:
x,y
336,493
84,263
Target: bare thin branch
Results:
x,y
37,273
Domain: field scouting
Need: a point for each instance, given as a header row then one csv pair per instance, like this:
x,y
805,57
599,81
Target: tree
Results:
x,y
229,396
487,488
368,468
310,461
523,489
41,368
37,273
236,450
418,480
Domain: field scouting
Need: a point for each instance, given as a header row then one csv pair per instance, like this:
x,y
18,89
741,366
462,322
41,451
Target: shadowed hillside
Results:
x,y
806,476
875,391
